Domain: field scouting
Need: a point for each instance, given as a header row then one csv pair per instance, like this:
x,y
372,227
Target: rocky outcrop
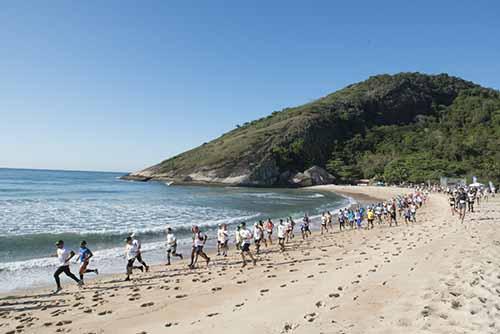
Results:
x,y
266,176
311,177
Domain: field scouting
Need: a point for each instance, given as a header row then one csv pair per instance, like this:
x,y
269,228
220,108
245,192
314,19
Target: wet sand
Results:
x,y
435,276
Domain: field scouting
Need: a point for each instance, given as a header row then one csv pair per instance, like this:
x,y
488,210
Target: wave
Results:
x,y
278,196
316,196
99,255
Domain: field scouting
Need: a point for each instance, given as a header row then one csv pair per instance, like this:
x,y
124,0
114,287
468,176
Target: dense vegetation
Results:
x,y
405,127
462,139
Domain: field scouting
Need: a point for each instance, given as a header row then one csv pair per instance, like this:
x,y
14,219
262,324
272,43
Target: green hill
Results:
x,y
404,127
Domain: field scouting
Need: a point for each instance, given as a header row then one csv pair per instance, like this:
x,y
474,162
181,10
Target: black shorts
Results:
x,y
245,247
198,249
281,239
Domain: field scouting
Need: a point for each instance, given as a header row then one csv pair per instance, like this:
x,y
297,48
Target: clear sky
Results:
x,y
120,85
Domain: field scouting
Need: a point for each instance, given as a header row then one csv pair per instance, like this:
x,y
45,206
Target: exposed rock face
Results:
x,y
266,176
311,177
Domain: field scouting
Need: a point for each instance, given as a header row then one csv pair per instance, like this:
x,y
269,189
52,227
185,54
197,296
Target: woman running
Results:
x,y
84,255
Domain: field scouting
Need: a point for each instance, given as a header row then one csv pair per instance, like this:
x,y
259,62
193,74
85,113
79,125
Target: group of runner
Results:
x,y
462,199
388,212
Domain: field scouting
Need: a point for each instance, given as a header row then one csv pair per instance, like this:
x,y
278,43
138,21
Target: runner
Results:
x,y
392,214
281,235
219,231
199,240
171,245
269,230
261,224
324,222
350,215
370,217
341,219
258,235
137,243
291,227
378,213
358,218
413,212
462,200
407,215
471,199
304,228
237,238
223,237
84,255
246,237
307,224
64,256
452,204
131,252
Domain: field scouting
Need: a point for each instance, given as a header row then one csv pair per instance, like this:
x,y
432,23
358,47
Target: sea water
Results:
x,y
39,207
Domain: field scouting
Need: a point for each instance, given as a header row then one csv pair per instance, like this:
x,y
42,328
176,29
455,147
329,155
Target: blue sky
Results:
x,y
120,85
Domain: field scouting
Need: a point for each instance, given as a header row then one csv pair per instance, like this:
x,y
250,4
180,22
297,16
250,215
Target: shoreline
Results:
x,y
414,278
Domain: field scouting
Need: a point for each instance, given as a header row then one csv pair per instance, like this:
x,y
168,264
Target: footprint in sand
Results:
x,y
147,304
310,317
105,312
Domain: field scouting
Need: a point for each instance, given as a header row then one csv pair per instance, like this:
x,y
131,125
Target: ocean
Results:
x,y
39,207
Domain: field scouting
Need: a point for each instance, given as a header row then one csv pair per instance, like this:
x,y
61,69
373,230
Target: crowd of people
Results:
x,y
400,208
462,199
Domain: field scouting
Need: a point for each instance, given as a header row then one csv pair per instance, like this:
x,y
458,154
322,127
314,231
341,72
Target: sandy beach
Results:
x,y
435,276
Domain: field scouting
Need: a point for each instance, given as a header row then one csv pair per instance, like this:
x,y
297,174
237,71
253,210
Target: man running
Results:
x,y
452,204
237,238
281,235
223,237
462,202
258,235
199,240
131,252
137,244
341,218
63,257
246,237
306,228
84,255
171,245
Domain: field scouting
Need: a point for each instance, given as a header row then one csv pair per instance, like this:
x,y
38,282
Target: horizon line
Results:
x,y
62,170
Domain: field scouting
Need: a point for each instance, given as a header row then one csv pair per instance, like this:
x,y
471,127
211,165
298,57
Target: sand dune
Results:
x,y
436,276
